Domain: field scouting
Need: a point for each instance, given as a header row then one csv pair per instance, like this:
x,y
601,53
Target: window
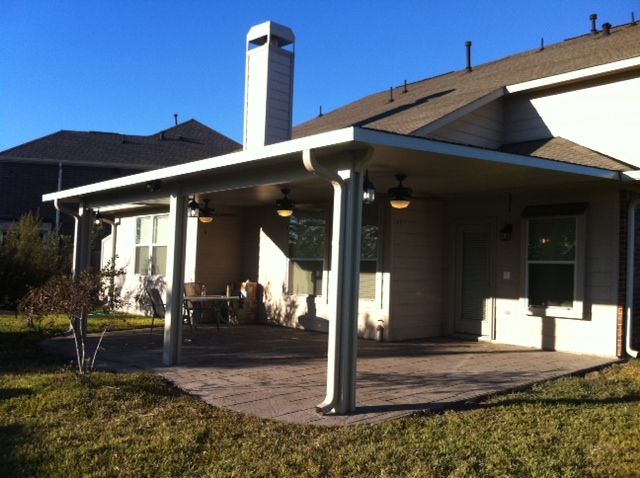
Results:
x,y
151,245
307,235
554,277
369,251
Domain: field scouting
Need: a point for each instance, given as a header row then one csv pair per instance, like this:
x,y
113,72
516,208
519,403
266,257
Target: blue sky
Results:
x,y
127,66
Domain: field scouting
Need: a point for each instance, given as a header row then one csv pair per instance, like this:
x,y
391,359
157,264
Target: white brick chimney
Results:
x,y
268,101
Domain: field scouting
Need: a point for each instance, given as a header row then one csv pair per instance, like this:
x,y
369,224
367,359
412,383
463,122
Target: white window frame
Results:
x,y
150,246
322,294
577,310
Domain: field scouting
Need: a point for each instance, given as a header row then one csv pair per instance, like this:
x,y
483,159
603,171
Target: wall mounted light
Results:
x,y
400,196
193,208
285,206
506,231
97,220
368,190
205,215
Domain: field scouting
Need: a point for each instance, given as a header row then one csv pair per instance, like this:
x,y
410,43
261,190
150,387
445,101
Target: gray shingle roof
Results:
x,y
429,100
561,149
188,141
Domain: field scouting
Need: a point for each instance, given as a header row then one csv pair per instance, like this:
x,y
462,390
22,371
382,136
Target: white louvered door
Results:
x,y
474,302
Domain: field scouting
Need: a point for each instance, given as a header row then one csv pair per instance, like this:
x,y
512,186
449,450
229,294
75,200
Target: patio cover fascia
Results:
x,y
287,161
183,176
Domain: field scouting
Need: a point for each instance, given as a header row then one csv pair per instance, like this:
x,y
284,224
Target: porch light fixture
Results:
x,y
194,208
400,196
285,206
368,190
97,220
506,231
205,215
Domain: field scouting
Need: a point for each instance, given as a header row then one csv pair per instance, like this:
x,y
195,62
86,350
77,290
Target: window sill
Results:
x,y
556,312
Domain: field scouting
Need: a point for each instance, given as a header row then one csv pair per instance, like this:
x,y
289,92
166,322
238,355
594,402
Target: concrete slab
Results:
x,y
280,373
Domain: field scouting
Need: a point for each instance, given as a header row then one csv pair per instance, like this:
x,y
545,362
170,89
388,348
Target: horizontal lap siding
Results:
x,y
578,113
482,127
417,271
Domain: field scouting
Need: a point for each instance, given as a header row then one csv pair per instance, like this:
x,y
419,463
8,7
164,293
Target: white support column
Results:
x,y
81,240
343,286
350,291
171,348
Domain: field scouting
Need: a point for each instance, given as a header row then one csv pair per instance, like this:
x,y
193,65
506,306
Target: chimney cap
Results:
x,y
261,34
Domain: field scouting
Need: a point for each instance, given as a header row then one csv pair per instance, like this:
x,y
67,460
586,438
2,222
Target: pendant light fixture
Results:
x,y
400,196
205,214
368,190
285,206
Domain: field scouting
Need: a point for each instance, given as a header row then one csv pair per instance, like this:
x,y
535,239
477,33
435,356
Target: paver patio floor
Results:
x,y
280,373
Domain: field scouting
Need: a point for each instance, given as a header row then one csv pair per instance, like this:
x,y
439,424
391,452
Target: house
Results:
x,y
505,208
69,159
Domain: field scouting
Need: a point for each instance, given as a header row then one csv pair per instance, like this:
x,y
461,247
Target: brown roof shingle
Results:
x,y
429,100
188,141
561,149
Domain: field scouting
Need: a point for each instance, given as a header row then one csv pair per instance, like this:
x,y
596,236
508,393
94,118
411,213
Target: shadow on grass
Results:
x,y
8,393
20,352
10,462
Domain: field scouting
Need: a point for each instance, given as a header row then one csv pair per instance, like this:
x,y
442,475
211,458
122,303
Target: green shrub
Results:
x,y
28,259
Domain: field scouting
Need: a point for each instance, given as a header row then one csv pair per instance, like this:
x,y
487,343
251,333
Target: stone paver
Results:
x,y
279,373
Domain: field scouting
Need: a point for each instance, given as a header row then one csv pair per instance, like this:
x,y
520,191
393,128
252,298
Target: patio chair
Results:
x,y
157,305
191,308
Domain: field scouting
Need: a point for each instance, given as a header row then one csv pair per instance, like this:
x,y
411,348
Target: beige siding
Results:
x,y
601,114
595,333
483,127
220,252
418,275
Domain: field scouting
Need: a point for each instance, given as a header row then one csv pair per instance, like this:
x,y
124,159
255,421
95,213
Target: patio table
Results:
x,y
212,300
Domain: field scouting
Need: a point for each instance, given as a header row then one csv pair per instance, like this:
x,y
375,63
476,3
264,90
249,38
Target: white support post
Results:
x,y
82,255
350,271
343,286
171,348
81,240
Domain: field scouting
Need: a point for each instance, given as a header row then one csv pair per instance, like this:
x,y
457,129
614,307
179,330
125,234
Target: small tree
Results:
x,y
73,298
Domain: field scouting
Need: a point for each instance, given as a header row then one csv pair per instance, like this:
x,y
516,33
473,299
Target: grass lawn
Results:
x,y
53,424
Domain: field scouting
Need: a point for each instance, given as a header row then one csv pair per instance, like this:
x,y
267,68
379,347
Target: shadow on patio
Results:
x,y
279,373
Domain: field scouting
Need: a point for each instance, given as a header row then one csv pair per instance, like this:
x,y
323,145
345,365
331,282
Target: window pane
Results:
x,y
369,244
552,239
143,230
160,232
306,237
159,260
306,277
142,260
367,279
551,285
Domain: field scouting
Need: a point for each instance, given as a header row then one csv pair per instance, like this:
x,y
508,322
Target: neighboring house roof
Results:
x,y
561,149
432,99
185,142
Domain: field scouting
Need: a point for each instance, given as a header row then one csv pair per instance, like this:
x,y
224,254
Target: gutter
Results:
x,y
631,253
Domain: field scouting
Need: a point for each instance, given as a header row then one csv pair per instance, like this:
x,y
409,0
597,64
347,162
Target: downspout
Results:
x,y
342,346
631,252
59,188
311,165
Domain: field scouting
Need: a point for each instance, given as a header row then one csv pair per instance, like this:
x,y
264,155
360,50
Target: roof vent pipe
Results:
x,y
606,29
633,18
593,17
175,118
468,45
